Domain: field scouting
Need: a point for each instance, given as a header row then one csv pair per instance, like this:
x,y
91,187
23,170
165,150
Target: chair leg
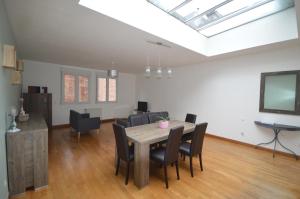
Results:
x,y
191,165
127,173
200,160
118,166
78,136
183,157
166,176
177,170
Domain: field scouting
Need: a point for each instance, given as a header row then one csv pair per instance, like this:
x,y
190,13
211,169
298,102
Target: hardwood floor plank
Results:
x,y
86,170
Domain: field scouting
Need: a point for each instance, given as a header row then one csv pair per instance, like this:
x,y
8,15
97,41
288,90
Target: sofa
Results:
x,y
141,119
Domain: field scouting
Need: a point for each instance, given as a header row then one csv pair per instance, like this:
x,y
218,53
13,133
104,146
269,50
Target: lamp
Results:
x,y
159,73
112,73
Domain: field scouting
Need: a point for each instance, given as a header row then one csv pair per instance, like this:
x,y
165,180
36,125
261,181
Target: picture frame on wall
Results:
x,y
9,56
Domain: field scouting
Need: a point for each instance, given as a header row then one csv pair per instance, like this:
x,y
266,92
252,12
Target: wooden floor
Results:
x,y
86,170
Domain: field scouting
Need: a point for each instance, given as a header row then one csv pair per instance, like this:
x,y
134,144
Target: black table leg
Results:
x,y
288,149
275,139
266,143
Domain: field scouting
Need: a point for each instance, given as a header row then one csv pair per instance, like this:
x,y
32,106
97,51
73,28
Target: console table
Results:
x,y
277,129
27,156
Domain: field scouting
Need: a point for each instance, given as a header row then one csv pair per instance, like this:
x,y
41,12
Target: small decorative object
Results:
x,y
23,117
164,123
9,56
13,126
45,89
16,77
20,65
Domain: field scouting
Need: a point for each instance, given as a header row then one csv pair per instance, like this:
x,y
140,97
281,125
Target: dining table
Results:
x,y
143,136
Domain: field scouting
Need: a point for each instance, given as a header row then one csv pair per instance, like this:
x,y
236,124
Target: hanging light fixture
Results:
x,y
159,73
169,72
148,69
159,69
112,73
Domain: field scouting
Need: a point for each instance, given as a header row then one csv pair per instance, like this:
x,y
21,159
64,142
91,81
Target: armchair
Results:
x,y
82,123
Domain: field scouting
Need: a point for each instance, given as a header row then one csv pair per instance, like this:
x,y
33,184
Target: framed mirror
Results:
x,y
280,92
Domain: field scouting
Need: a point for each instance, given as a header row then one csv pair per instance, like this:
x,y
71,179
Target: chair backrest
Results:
x,y
156,116
172,148
191,118
121,142
198,138
137,120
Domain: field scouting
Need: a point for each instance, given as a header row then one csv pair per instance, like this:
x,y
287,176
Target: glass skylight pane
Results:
x,y
167,5
243,18
197,7
235,5
211,17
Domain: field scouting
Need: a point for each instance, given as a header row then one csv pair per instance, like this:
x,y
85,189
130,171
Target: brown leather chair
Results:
x,y
195,147
124,152
169,154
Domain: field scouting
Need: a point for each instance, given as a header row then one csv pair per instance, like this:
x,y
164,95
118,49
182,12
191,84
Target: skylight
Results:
x,y
212,17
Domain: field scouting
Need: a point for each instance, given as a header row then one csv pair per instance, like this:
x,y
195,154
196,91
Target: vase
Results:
x,y
163,124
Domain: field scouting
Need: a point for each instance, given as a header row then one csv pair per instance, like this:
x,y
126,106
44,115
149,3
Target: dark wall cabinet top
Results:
x,y
39,103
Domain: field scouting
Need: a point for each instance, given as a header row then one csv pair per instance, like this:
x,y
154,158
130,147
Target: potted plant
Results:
x,y
164,122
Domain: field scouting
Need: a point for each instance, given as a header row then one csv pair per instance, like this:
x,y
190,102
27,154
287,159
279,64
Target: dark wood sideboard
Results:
x,y
27,156
39,103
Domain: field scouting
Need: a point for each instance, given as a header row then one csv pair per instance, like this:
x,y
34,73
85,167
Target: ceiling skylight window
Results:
x,y
212,17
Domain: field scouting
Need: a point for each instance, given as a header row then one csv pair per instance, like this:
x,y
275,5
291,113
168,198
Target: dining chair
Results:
x,y
124,152
138,119
169,154
195,147
191,118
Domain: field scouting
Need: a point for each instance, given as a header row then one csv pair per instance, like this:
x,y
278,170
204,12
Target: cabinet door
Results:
x,y
15,163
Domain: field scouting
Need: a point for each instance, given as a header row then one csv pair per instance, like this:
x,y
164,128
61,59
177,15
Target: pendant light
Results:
x,y
148,69
112,73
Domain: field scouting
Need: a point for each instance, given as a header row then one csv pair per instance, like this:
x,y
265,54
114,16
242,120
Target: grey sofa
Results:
x,y
140,119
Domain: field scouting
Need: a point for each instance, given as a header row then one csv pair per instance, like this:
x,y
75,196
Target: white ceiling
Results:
x,y
63,32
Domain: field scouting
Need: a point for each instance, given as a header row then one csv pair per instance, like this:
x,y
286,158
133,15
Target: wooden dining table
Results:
x,y
144,135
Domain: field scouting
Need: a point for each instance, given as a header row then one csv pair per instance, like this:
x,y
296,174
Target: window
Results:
x,y
112,90
69,88
211,17
106,89
83,89
101,89
75,88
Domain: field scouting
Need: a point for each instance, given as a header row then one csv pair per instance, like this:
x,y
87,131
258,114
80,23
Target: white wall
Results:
x,y
47,74
225,93
9,96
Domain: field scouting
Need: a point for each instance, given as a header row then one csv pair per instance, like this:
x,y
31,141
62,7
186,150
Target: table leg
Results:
x,y
141,164
288,149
